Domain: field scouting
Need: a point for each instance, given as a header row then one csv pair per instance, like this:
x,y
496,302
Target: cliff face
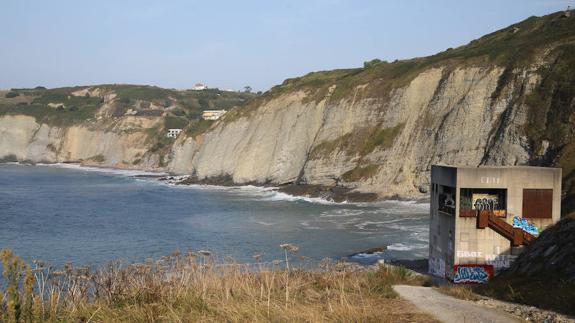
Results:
x,y
507,98
439,117
22,138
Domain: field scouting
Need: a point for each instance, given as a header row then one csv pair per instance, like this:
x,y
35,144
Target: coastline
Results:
x,y
310,192
334,194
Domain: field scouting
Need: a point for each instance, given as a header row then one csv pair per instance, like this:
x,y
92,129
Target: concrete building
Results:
x,y
482,216
213,114
173,133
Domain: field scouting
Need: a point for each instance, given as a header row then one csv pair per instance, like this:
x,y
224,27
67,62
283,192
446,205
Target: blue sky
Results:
x,y
230,44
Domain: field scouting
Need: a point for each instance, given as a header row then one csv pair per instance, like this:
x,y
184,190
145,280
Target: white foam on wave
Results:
x,y
280,196
342,213
267,224
264,193
371,255
113,171
307,226
403,247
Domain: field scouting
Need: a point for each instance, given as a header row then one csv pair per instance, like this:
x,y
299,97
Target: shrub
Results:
x,y
12,94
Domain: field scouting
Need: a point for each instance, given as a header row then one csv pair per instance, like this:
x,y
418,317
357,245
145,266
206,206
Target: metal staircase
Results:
x,y
516,236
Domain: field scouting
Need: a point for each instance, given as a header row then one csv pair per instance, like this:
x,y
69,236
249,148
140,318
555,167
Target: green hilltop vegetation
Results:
x,y
69,105
513,47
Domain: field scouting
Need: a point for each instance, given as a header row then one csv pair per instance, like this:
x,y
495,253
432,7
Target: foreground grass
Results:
x,y
464,292
194,287
551,292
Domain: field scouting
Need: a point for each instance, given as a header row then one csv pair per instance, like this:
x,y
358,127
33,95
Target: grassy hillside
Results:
x,y
196,288
73,105
513,47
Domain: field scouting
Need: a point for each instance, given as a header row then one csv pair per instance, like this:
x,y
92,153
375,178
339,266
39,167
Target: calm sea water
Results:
x,y
90,217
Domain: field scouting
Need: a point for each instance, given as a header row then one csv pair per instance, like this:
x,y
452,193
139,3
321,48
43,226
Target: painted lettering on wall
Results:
x,y
468,254
525,225
472,274
500,261
490,180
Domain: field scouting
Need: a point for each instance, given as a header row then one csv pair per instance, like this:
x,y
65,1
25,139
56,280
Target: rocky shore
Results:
x,y
329,193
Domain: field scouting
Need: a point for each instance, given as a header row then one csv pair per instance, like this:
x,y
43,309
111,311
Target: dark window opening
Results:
x,y
474,200
446,199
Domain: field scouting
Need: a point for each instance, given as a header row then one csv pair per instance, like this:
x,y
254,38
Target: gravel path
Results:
x,y
449,309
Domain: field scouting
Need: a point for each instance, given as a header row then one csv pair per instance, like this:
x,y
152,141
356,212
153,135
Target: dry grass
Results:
x,y
194,287
459,291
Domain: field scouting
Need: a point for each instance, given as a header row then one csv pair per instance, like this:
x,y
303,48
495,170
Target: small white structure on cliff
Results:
x,y
199,87
173,133
213,114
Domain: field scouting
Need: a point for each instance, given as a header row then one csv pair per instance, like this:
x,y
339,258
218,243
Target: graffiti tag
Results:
x,y
488,204
472,274
436,267
500,261
525,225
468,254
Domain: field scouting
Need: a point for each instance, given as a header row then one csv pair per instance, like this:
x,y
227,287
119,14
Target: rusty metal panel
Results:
x,y
538,203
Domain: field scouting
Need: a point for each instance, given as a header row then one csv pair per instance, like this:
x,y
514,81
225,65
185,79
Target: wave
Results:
x,y
112,171
342,213
404,247
370,255
265,193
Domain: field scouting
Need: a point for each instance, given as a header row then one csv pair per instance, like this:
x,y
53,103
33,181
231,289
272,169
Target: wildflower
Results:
x,y
289,247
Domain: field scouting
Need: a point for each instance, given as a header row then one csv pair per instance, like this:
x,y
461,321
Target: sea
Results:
x,y
65,213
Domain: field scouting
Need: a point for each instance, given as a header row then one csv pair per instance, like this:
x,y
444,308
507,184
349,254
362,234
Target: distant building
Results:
x,y
199,87
173,133
213,114
482,216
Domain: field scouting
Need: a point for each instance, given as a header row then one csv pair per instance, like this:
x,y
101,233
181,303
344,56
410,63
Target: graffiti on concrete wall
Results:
x,y
472,274
525,225
436,267
500,261
487,202
469,254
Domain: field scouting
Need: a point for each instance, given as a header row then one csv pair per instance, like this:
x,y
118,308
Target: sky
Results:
x,y
231,44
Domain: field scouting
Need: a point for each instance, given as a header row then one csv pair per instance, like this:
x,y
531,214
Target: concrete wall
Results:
x,y
441,246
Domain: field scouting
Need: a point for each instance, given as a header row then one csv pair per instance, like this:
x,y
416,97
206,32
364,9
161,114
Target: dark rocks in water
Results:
x,y
222,180
370,251
330,193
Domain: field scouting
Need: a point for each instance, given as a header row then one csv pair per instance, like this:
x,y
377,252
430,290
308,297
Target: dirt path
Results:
x,y
449,309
